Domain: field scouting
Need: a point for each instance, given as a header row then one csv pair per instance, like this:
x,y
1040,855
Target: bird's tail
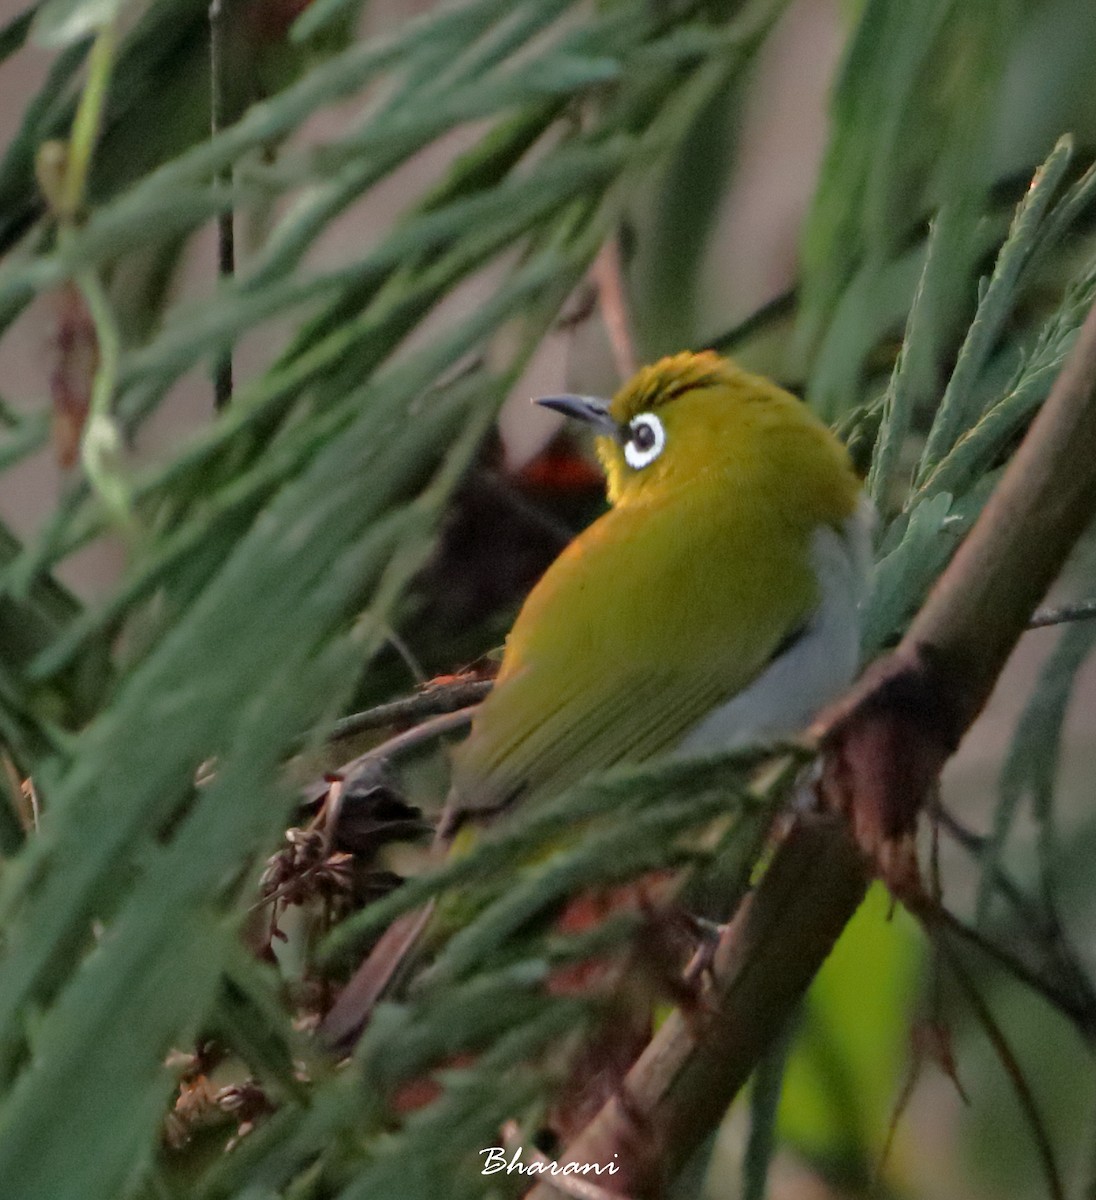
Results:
x,y
351,1011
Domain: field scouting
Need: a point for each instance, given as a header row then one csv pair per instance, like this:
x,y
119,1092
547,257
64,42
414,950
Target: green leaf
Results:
x,y
61,23
14,33
908,120
956,412
904,572
1031,767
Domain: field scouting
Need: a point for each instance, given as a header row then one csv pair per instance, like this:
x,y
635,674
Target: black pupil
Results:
x,y
643,436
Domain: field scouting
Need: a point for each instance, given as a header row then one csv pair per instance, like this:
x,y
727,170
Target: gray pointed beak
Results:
x,y
590,409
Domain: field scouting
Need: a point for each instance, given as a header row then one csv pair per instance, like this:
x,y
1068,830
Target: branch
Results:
x,y
434,698
883,748
608,272
226,235
403,743
682,1083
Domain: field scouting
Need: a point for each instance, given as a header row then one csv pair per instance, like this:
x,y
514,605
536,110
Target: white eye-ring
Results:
x,y
646,441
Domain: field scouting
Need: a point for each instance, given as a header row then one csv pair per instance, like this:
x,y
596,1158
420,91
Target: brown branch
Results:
x,y
403,743
682,1083
367,766
226,236
608,273
883,748
434,698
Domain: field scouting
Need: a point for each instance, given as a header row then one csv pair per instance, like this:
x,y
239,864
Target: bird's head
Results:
x,y
699,417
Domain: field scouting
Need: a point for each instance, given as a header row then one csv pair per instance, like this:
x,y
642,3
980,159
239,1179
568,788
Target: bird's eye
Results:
x,y
646,440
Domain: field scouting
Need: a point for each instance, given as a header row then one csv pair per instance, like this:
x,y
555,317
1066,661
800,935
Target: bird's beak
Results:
x,y
590,409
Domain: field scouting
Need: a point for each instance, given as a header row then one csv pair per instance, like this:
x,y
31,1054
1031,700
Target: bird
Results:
x,y
716,602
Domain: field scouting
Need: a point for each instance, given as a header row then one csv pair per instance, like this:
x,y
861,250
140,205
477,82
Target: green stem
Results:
x,y
88,121
101,443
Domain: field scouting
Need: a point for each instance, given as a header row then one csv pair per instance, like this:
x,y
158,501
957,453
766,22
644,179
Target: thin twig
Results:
x,y
608,273
329,815
87,123
769,313
435,698
100,443
404,743
1072,993
407,655
289,886
347,774
100,447
974,844
930,1040
226,233
1082,1014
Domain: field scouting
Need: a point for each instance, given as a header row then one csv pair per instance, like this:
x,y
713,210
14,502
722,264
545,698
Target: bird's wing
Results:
x,y
612,661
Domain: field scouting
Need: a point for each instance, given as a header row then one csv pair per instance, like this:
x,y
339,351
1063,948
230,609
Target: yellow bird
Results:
x,y
716,602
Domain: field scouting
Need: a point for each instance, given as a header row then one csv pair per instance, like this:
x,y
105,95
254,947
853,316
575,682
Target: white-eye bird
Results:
x,y
714,603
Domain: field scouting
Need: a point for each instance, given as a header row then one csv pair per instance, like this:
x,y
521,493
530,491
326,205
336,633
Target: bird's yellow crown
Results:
x,y
691,416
